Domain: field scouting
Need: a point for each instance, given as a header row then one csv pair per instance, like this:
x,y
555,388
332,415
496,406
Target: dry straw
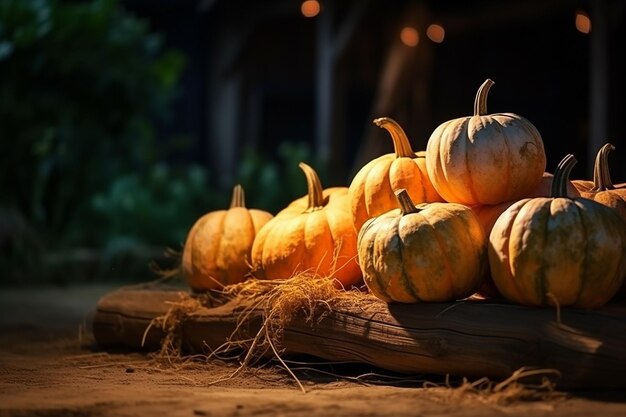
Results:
x,y
311,297
525,384
305,295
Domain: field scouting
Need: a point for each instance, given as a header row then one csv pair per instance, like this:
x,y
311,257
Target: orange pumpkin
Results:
x,y
601,189
371,190
558,250
312,234
432,252
485,158
217,248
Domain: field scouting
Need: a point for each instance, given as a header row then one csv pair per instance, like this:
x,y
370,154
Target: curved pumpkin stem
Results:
x,y
480,102
601,175
561,176
314,187
406,204
401,145
238,199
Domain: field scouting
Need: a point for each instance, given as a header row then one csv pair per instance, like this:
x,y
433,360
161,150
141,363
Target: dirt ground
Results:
x,y
50,366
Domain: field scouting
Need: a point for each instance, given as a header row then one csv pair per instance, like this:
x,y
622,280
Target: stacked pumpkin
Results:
x,y
543,243
436,225
470,161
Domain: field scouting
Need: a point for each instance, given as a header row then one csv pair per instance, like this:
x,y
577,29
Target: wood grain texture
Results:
x,y
471,339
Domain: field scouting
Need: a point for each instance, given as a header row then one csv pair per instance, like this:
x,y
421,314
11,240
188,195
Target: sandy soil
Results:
x,y
50,366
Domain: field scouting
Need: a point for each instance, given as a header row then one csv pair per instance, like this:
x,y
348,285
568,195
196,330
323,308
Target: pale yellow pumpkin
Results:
x,y
485,158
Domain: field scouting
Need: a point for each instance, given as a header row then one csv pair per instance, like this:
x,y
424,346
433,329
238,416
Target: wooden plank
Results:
x,y
471,339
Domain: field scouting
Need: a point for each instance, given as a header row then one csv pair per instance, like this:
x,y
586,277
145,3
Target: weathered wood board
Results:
x,y
471,339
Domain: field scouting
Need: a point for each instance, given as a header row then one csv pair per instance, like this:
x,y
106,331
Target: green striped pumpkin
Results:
x,y
430,253
558,250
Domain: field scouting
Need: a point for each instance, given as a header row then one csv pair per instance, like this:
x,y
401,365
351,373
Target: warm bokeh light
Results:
x,y
583,23
409,36
310,8
436,33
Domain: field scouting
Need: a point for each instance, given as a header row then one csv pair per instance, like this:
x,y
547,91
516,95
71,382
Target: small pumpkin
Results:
x,y
601,189
371,190
217,249
432,252
558,250
313,233
485,158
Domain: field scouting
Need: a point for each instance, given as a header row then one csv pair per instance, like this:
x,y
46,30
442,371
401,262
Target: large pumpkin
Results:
x,y
601,189
217,248
312,234
558,250
432,252
485,158
371,190
488,215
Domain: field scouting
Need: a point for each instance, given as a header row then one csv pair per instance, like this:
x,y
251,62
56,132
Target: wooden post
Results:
x,y
406,70
330,111
599,81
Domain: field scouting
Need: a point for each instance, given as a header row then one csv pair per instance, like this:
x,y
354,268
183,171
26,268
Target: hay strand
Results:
x,y
168,273
557,306
305,295
516,388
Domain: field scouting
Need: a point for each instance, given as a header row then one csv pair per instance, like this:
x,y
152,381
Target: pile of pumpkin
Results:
x,y
475,213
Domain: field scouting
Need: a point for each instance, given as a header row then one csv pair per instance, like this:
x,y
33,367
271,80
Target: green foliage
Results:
x,y
81,84
270,184
83,87
85,194
157,207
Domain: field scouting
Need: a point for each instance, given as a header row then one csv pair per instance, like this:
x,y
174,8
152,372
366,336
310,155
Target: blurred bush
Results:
x,y
273,181
87,192
82,87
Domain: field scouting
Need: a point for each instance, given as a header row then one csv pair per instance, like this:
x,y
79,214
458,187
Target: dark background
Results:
x,y
540,62
123,121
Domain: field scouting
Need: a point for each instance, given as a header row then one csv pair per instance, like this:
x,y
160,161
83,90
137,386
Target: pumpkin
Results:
x,y
217,249
432,252
488,215
559,250
485,158
312,234
371,190
601,189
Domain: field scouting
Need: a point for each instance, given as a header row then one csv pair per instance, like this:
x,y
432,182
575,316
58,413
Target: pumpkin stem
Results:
x,y
401,145
601,175
561,176
406,204
314,187
238,199
480,102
